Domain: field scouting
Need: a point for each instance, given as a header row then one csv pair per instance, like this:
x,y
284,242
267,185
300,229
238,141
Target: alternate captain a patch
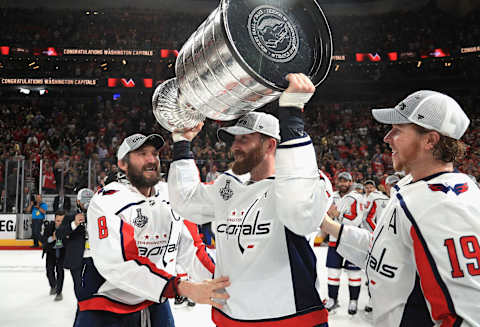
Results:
x,y
226,192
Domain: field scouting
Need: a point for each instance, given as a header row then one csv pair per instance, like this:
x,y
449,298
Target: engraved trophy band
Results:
x,y
237,59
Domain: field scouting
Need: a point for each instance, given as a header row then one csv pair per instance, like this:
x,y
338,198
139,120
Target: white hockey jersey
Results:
x,y
376,202
350,207
260,239
423,259
135,243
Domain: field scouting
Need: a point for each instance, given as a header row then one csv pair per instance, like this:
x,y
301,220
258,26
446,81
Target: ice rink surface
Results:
x,y
25,299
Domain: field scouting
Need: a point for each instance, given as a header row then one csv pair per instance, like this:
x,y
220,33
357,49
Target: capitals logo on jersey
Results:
x,y
140,220
226,192
457,189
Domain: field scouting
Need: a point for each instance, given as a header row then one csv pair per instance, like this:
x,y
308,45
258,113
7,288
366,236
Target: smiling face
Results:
x,y
405,142
142,167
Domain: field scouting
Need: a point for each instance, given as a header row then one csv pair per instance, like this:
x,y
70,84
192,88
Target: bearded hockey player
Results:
x,y
261,224
135,242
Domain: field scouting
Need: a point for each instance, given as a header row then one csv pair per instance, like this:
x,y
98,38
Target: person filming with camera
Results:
x,y
38,208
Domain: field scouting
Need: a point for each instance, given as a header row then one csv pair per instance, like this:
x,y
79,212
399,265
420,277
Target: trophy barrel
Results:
x,y
237,60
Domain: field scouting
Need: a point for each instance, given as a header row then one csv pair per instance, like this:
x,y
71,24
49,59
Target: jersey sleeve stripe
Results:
x,y
201,253
106,304
353,211
371,214
434,288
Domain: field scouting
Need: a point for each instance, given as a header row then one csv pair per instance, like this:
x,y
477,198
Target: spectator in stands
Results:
x,y
62,202
212,174
48,182
38,208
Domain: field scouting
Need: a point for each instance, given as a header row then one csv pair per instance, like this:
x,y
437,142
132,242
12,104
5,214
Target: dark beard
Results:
x,y
250,161
137,179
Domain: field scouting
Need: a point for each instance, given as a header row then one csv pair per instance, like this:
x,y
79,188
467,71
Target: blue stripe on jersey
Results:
x,y
288,146
128,206
303,267
416,311
433,265
234,177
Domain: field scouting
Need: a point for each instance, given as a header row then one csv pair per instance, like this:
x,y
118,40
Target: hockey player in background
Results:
x,y
423,259
135,241
375,203
260,225
347,208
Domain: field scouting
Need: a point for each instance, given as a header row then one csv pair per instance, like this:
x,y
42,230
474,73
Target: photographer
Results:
x,y
53,247
73,229
38,208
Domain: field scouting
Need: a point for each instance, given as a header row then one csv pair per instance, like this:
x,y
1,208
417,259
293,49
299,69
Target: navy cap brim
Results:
x,y
389,116
227,134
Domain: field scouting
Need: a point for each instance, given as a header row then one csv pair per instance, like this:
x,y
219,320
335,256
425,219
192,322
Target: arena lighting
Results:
x,y
24,91
31,64
4,50
419,64
337,68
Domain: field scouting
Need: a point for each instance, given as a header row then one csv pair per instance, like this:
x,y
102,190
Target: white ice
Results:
x,y
25,299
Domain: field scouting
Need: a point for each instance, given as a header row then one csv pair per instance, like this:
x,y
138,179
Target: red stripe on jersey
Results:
x,y
334,279
309,319
130,251
353,210
371,214
333,244
430,287
355,280
201,253
104,304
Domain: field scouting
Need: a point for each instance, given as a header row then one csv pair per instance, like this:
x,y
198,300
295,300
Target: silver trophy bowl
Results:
x,y
237,60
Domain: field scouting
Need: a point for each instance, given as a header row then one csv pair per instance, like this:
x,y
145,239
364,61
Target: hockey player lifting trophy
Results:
x,y
237,59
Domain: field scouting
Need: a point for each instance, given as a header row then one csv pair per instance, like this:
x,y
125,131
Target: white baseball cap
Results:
x,y
250,123
345,175
429,109
392,179
135,141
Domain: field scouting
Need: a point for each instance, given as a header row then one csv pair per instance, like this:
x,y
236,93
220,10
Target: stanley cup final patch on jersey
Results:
x,y
226,192
140,220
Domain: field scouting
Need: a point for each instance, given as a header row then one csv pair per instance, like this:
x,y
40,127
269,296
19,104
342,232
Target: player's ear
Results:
x,y
431,139
122,164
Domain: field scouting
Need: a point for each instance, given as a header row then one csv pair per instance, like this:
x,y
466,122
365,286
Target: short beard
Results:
x,y
251,160
137,179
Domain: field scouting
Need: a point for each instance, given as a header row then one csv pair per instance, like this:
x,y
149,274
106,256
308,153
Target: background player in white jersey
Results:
x,y
390,182
423,259
375,203
347,208
261,225
135,241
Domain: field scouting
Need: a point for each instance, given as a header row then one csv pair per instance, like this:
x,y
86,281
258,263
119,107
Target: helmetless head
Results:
x,y
253,138
426,126
138,158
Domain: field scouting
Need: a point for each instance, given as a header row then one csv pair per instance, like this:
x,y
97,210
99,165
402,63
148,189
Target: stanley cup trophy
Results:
x,y
236,61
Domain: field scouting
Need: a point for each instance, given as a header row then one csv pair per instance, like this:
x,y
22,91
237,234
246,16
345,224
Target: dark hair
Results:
x,y
60,213
447,149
